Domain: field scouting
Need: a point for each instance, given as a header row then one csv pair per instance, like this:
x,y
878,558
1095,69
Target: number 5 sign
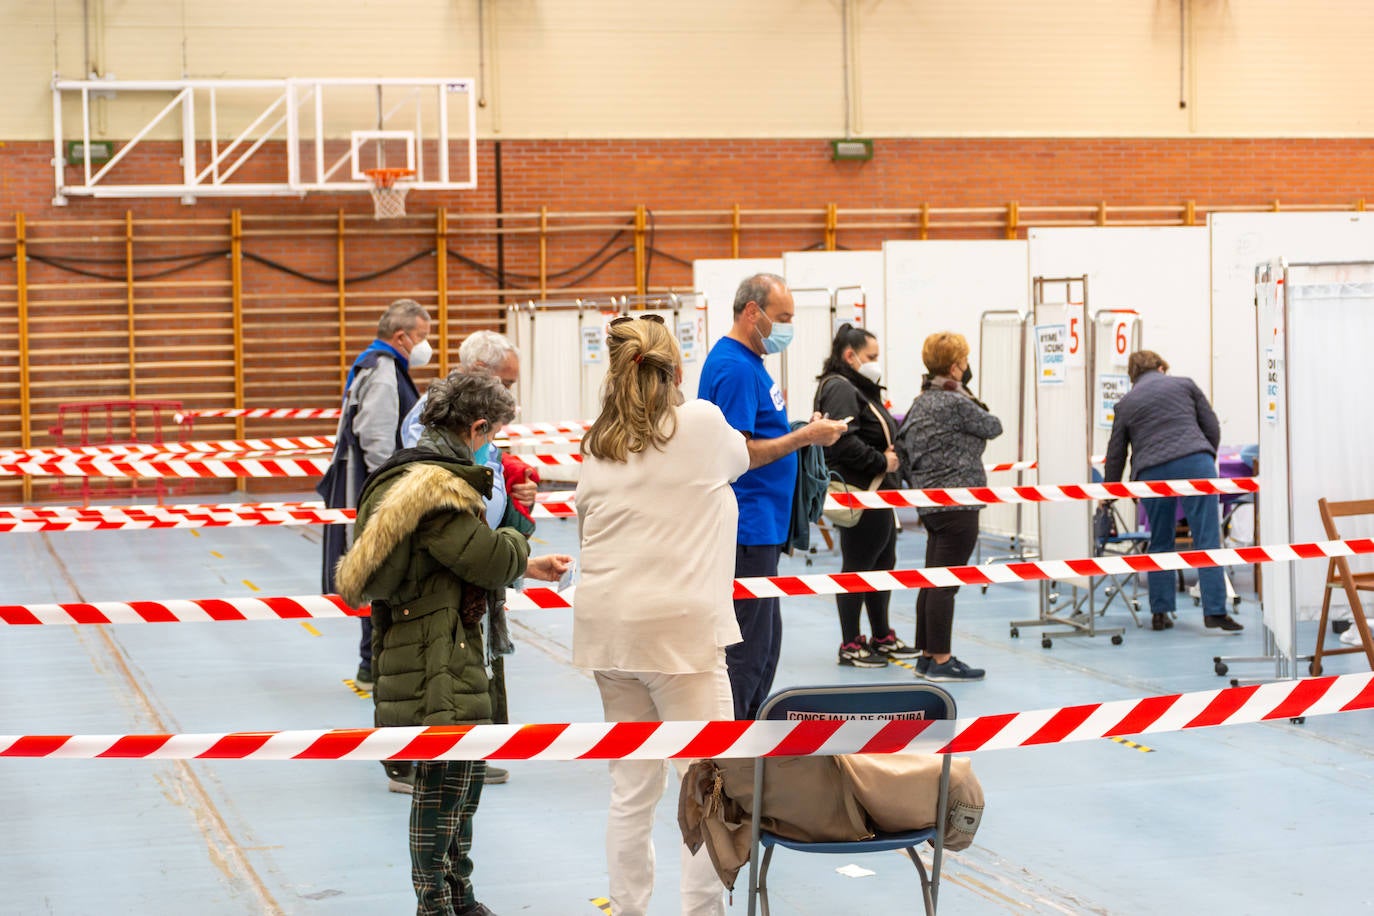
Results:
x,y
1122,332
1073,343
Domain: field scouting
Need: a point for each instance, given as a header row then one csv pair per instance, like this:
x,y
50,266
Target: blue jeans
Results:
x,y
1204,522
752,663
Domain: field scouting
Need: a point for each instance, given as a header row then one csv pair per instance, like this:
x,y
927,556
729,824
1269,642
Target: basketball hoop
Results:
x,y
389,187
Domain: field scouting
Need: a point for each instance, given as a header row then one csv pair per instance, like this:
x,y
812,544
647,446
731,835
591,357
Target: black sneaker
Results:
x,y
1161,622
953,670
1223,622
859,655
892,647
923,665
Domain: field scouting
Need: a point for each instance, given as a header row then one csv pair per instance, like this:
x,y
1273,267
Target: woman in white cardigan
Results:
x,y
653,611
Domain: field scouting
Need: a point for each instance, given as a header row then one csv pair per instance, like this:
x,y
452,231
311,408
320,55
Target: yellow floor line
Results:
x,y
195,533
602,904
309,628
251,585
217,555
348,681
221,844
1133,746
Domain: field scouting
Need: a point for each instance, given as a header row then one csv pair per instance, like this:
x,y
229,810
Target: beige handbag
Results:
x,y
845,517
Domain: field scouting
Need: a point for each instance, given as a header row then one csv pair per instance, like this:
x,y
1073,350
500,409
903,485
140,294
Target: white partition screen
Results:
x,y
811,339
1240,243
1160,273
717,279
1006,377
945,286
1061,393
1313,332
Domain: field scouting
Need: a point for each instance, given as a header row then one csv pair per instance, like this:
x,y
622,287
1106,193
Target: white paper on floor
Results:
x,y
854,871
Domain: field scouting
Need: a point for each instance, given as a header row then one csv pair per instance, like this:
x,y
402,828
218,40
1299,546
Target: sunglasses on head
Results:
x,y
656,319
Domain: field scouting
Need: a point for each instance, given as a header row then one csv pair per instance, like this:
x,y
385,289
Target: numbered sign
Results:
x,y
1122,332
1073,341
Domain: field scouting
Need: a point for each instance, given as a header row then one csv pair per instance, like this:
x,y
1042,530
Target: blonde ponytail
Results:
x,y
640,393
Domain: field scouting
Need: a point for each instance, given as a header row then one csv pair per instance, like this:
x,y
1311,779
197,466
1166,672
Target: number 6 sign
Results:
x,y
1122,332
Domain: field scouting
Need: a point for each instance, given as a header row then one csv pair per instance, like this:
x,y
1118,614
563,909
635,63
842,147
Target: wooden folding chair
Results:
x,y
1338,575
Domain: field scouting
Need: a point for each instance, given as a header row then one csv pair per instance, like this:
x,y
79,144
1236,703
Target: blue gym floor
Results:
x,y
1272,818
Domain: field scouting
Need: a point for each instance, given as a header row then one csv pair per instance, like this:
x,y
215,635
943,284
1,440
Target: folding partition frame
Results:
x,y
1313,325
1003,339
1064,435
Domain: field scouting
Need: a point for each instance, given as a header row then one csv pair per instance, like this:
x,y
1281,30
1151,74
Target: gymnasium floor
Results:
x,y
1272,818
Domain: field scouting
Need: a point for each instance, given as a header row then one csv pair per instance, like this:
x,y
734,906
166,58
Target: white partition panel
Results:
x,y
821,273
811,339
1061,437
1317,330
1159,272
1240,242
945,286
1006,373
717,279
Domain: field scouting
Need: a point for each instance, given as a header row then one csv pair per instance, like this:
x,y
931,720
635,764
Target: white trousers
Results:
x,y
637,785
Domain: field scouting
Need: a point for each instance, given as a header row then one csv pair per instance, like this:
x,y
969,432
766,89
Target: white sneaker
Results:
x,y
1351,637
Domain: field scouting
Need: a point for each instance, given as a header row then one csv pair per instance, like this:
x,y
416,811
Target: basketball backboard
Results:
x,y
220,138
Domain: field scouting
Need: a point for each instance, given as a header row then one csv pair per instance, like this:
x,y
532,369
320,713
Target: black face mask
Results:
x,y
968,376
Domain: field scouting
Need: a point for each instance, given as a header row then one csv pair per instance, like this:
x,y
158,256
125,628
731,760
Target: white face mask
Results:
x,y
420,354
871,371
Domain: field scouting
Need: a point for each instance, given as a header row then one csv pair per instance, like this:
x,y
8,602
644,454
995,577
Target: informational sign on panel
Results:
x,y
1110,389
1050,346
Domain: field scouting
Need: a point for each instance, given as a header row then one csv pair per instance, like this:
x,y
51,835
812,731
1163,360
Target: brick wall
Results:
x,y
292,341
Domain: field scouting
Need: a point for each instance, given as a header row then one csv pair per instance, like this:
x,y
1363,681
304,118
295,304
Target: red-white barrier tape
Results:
x,y
525,430
774,587
180,466
1031,464
540,461
974,496
562,506
135,518
994,573
673,740
262,413
195,611
512,431
167,449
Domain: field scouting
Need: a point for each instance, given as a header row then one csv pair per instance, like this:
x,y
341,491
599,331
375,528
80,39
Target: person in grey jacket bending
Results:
x,y
1172,434
941,444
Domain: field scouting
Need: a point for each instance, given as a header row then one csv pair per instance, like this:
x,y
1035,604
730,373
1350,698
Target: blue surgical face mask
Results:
x,y
778,339
482,455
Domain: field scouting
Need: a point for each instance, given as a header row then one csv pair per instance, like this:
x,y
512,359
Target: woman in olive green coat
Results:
x,y
423,555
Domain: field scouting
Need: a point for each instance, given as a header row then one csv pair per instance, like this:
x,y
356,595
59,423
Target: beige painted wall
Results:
x,y
748,68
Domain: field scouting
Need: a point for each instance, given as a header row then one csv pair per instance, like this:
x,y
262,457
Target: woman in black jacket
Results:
x,y
864,454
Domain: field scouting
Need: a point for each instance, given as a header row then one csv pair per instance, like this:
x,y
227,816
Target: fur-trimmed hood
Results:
x,y
413,492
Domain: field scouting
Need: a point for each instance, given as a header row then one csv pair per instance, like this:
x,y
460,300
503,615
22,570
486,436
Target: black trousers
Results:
x,y
870,544
950,539
752,663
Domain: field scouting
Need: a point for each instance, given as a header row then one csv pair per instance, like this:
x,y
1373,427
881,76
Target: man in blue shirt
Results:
x,y
735,380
